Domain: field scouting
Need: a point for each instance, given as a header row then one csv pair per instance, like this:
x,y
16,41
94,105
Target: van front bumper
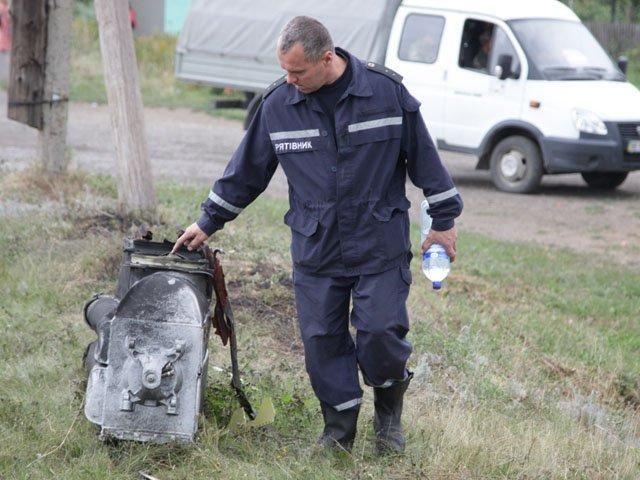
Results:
x,y
593,153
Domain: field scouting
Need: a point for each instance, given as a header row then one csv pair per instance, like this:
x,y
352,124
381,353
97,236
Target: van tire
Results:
x,y
604,180
516,165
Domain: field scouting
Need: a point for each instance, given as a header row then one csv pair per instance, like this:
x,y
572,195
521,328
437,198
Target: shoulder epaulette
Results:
x,y
273,86
396,77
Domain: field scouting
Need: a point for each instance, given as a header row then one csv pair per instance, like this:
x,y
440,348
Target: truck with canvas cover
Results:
x,y
522,86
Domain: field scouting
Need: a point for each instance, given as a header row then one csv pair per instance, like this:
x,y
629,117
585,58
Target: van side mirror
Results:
x,y
502,70
623,62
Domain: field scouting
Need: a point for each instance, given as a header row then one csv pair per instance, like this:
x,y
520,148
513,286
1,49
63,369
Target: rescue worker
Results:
x,y
345,133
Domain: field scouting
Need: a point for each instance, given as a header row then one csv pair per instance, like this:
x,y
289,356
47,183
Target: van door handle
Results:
x,y
497,87
467,94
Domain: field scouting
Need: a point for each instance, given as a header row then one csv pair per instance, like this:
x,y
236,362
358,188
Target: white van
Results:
x,y
522,85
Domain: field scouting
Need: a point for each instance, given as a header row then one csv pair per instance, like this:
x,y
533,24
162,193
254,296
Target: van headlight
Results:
x,y
588,122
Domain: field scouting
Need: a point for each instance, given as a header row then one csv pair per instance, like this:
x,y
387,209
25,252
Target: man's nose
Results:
x,y
291,79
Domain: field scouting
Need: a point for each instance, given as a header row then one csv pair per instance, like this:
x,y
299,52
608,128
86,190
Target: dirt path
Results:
x,y
194,147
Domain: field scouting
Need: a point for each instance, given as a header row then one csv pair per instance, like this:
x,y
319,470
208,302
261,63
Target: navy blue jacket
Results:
x,y
348,208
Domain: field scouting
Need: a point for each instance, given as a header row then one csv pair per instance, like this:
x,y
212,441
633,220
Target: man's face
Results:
x,y
306,76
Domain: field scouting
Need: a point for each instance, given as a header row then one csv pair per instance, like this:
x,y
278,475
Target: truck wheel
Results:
x,y
604,180
516,165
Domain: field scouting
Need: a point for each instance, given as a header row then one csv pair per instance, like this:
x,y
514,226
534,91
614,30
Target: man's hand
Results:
x,y
446,238
192,238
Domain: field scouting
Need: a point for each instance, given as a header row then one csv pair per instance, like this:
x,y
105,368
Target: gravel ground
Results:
x,y
194,147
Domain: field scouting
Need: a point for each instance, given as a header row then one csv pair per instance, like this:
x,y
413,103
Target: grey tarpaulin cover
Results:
x,y
232,43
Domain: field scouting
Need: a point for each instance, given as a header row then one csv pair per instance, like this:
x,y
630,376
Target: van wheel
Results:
x,y
516,165
604,180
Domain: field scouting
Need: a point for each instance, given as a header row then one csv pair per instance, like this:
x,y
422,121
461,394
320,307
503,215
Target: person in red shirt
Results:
x,y
133,17
5,27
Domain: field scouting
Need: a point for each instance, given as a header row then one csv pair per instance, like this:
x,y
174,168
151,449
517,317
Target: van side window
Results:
x,y
421,37
483,44
476,45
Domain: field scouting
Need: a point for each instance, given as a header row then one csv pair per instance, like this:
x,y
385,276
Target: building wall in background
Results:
x,y
150,16
158,16
175,12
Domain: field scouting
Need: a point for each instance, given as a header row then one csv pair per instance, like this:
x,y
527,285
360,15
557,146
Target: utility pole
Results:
x,y
136,195
39,76
53,135
27,70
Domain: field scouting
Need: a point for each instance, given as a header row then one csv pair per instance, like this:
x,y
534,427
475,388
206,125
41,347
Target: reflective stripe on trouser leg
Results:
x,y
380,317
329,351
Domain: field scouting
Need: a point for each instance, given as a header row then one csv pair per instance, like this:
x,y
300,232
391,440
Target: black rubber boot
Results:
x,y
386,421
339,427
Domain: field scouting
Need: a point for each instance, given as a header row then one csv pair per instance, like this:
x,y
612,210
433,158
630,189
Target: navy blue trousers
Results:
x,y
379,316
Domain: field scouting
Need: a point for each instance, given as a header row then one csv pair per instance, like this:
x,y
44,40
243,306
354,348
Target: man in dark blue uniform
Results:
x,y
346,134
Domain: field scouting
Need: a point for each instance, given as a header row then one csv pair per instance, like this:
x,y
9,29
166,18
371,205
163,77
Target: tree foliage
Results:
x,y
616,11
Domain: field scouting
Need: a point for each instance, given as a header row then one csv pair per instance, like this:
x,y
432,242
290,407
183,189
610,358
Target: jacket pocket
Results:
x,y
388,229
306,238
377,134
405,273
384,209
303,224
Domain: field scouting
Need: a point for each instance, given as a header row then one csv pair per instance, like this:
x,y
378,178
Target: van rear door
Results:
x,y
417,45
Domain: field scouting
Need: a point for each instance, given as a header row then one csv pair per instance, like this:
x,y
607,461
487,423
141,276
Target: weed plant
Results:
x,y
526,363
155,56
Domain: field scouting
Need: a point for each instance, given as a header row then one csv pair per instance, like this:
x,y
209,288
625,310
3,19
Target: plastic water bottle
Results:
x,y
436,265
435,261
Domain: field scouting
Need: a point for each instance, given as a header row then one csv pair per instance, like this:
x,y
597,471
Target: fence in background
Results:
x,y
616,38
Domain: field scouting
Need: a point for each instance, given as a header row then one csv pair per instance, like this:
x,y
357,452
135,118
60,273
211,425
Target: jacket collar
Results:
x,y
359,86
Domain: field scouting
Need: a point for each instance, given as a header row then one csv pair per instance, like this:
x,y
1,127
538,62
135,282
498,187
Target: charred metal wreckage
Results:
x,y
147,369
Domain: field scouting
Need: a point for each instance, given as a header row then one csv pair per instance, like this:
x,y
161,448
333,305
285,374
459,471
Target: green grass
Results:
x,y
633,75
633,72
155,56
526,362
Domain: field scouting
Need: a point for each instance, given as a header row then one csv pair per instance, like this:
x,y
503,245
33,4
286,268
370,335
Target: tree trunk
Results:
x,y
136,194
634,5
26,77
53,135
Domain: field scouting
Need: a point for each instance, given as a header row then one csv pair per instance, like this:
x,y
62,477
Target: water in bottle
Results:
x,y
436,265
435,261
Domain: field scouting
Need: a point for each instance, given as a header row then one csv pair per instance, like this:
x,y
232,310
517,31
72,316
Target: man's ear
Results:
x,y
327,57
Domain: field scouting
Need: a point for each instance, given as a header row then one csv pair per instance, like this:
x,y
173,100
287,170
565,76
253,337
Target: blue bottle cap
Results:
x,y
437,285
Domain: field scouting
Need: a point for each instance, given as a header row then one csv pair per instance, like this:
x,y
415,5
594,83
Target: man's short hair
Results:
x,y
309,32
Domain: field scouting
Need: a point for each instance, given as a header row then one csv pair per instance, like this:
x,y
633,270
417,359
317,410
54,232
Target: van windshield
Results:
x,y
563,50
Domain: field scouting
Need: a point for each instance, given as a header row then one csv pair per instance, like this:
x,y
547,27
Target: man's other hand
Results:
x,y
446,238
192,238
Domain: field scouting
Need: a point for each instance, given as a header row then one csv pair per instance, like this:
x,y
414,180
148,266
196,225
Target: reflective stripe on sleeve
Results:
x,y
438,197
349,404
223,203
295,134
381,122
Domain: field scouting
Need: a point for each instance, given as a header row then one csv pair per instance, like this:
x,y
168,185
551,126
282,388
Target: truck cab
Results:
x,y
523,86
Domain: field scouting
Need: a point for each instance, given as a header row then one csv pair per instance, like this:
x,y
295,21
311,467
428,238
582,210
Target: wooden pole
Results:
x,y
27,71
53,135
136,194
